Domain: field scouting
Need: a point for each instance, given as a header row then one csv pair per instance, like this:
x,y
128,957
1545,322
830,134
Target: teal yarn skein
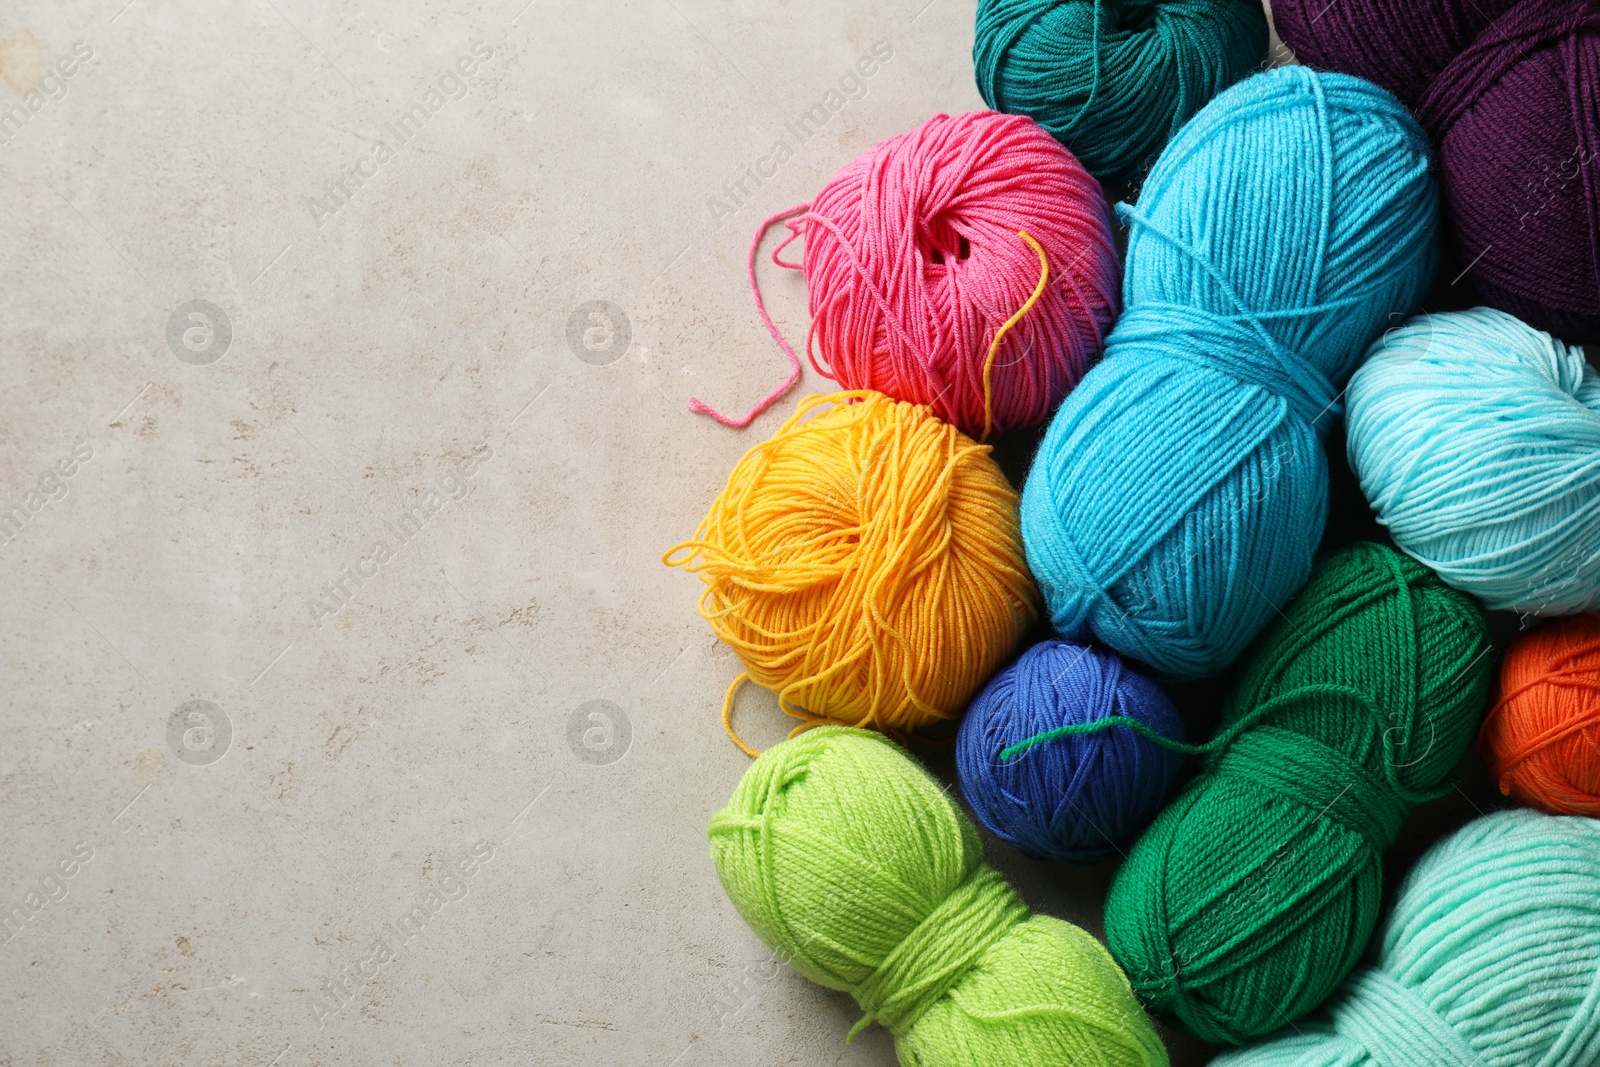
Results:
x,y
1477,441
1491,958
1113,79
1180,493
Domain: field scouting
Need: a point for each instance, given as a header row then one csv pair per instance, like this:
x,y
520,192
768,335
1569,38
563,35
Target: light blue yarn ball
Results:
x,y
1076,799
1180,493
1477,440
1491,958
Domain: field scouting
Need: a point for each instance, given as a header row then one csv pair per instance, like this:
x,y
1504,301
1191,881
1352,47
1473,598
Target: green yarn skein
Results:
x,y
852,862
1113,79
1254,892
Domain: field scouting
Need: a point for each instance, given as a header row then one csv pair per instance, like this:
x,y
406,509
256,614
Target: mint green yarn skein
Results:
x,y
1113,79
1477,440
851,861
1490,959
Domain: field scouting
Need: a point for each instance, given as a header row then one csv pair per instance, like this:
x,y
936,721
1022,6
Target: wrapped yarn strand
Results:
x,y
1081,800
1509,90
1113,79
1477,441
1180,493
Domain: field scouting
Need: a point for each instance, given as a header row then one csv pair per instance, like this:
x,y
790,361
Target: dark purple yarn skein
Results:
x,y
1509,92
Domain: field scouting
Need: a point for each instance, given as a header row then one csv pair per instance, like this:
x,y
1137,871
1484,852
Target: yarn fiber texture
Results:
x,y
1477,442
865,564
1491,958
915,264
1075,799
1256,890
1542,738
1113,79
1180,493
1510,93
1402,45
861,873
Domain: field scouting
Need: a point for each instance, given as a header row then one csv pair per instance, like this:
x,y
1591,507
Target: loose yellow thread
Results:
x,y
727,714
994,346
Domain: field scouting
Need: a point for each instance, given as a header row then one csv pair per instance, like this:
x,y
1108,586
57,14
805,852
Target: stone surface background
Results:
x,y
248,324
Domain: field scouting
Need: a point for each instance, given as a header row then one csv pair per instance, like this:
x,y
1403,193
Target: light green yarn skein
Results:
x,y
1490,959
848,858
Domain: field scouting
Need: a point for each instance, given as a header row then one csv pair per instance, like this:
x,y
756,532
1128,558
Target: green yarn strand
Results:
x,y
1223,739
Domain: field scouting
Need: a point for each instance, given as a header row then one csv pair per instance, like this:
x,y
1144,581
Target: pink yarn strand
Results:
x,y
700,407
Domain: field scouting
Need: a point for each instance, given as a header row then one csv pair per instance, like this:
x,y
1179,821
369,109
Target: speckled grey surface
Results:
x,y
350,715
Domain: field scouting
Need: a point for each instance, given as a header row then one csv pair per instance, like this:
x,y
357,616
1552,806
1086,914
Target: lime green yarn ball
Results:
x,y
858,869
1256,891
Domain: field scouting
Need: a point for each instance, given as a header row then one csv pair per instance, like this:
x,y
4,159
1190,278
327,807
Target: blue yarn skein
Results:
x,y
1477,439
1180,493
1073,799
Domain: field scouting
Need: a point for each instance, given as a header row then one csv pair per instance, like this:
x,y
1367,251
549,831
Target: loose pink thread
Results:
x,y
701,407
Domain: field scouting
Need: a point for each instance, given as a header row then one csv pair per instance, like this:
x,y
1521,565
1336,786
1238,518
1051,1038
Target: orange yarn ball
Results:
x,y
1542,740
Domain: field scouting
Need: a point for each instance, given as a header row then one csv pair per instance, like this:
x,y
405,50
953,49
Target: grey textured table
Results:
x,y
345,352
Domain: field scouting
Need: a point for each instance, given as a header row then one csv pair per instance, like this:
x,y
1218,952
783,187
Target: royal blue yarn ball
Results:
x,y
1177,500
1075,799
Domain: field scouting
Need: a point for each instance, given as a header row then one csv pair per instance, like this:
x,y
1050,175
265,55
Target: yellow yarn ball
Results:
x,y
866,564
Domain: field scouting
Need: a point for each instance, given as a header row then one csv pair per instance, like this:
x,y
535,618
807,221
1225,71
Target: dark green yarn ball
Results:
x,y
1255,892
1113,79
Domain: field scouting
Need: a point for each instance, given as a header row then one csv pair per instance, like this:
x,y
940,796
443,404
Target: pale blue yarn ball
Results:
x,y
1477,441
1491,958
1180,493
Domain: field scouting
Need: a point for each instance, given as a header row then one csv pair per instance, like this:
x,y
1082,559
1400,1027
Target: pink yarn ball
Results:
x,y
913,263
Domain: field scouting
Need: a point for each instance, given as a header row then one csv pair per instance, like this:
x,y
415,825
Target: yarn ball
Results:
x,y
861,873
1542,738
865,564
1510,93
1490,958
1180,493
1113,79
1255,891
1075,799
914,265
1477,442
